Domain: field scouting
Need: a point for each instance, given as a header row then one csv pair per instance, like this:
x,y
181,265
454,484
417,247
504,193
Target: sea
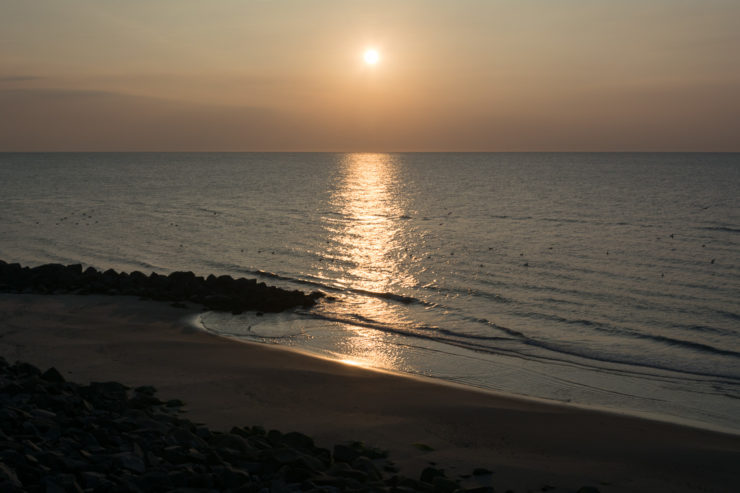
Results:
x,y
601,280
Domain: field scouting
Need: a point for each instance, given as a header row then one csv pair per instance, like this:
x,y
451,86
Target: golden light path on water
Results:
x,y
366,238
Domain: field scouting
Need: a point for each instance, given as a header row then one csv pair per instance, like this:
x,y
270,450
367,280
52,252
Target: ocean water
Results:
x,y
607,280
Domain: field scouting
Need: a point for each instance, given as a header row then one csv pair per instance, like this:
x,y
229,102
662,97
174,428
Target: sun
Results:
x,y
371,57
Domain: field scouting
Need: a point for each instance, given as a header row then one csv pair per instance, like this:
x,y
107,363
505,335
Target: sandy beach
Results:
x,y
528,445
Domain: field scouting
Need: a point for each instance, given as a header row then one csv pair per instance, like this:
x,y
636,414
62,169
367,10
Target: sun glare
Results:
x,y
371,57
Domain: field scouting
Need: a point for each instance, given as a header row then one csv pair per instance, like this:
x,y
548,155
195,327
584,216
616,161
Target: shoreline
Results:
x,y
688,422
527,443
647,416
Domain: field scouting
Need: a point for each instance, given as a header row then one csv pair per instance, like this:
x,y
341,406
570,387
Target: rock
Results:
x,y
8,475
61,436
235,442
429,473
52,375
143,401
130,461
196,457
359,476
61,483
231,477
345,453
408,484
216,293
154,481
185,438
298,441
444,485
43,413
110,389
174,454
179,477
25,370
146,390
201,430
366,465
281,455
92,479
174,403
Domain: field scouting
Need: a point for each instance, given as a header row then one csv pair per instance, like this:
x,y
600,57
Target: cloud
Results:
x,y
67,120
29,94
19,78
691,118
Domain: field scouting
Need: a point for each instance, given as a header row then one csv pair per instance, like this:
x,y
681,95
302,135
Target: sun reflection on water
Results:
x,y
366,250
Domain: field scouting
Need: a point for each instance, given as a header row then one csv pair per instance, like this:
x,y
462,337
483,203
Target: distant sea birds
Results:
x,y
452,254
87,216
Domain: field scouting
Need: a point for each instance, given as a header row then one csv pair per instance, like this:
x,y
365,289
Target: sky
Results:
x,y
463,75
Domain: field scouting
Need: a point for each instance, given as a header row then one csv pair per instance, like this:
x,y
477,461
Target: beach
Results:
x,y
490,273
528,445
369,247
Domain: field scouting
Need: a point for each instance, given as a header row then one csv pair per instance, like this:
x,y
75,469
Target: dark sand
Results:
x,y
527,444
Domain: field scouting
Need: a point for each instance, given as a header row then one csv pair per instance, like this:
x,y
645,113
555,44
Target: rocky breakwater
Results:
x,y
222,293
58,436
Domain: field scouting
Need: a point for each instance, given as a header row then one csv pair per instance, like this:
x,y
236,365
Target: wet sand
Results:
x,y
527,444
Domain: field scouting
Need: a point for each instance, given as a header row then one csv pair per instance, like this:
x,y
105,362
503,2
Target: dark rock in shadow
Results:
x,y
222,293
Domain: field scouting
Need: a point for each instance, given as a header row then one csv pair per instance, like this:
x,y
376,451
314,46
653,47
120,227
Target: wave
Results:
x,y
707,329
730,315
697,346
466,291
566,220
375,294
625,331
510,333
419,332
724,229
386,295
558,352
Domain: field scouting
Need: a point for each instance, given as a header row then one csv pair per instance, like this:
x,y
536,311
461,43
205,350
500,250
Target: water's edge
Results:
x,y
196,322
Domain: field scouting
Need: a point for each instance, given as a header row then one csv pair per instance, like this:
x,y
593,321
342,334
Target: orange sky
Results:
x,y
462,75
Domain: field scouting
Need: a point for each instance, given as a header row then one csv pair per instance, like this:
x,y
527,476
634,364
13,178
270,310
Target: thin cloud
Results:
x,y
61,119
58,93
19,78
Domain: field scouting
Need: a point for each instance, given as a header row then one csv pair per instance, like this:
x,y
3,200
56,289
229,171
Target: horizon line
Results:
x,y
370,152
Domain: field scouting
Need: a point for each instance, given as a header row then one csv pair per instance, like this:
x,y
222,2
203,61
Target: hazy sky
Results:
x,y
289,75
